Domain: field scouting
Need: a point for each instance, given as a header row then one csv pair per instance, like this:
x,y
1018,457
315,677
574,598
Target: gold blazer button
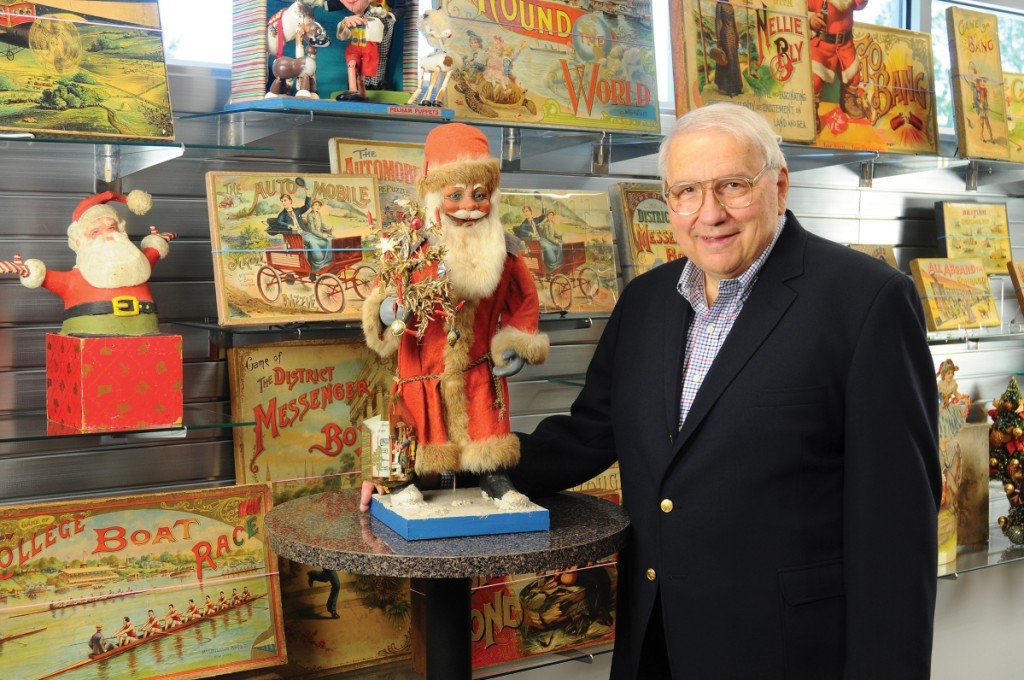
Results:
x,y
651,575
666,505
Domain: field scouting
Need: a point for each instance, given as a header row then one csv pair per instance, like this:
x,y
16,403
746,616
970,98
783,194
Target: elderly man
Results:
x,y
770,400
107,292
454,393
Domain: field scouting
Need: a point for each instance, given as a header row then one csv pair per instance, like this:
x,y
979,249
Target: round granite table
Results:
x,y
328,530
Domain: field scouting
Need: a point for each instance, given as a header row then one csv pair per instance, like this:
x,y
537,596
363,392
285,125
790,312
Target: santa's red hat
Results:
x,y
139,202
457,153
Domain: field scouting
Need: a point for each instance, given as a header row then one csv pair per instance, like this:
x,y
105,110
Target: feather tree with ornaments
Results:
x,y
1006,457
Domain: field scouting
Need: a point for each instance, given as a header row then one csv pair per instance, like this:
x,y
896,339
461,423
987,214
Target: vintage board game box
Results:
x,y
879,251
974,230
979,103
754,54
642,222
554,63
114,382
396,165
84,69
566,242
189,572
291,249
954,293
1014,87
308,400
889,104
516,617
1016,270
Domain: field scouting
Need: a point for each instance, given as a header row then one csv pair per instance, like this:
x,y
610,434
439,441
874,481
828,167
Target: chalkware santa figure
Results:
x,y
107,292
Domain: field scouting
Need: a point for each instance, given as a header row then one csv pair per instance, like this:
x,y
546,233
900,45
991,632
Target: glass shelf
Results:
x,y
998,550
25,427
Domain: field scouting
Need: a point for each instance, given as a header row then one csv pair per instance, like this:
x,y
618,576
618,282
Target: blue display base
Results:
x,y
302,105
461,512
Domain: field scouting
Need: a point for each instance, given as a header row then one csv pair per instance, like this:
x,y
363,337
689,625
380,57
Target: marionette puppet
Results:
x,y
456,303
107,292
367,30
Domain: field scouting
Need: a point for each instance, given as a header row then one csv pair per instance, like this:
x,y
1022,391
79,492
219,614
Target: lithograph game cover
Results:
x,y
396,165
979,103
566,242
84,69
173,585
553,63
1016,270
515,617
291,249
308,400
954,293
645,235
1014,87
751,53
975,230
888,102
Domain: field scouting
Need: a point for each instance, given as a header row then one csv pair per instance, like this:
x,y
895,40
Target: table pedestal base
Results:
x,y
441,646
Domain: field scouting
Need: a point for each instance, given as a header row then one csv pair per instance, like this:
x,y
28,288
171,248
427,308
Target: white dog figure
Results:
x,y
436,68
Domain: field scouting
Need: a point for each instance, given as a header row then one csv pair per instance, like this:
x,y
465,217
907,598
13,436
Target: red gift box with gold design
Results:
x,y
114,382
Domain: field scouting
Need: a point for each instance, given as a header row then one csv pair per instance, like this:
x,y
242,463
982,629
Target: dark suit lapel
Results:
x,y
677,321
762,311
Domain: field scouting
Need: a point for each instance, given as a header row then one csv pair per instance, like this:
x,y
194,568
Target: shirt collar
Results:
x,y
691,282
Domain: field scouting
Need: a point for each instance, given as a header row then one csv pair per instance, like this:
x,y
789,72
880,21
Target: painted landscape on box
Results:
x,y
84,69
291,248
189,571
566,242
554,63
954,293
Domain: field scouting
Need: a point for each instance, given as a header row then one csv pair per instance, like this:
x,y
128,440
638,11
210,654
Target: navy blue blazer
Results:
x,y
804,484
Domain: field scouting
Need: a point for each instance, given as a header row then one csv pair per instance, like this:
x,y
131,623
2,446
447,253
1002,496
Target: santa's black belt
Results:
x,y
125,305
837,38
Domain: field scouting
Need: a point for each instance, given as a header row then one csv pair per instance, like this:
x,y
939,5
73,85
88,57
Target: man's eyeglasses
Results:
x,y
686,198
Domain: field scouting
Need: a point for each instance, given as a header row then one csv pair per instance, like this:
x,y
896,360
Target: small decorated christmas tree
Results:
x,y
1006,457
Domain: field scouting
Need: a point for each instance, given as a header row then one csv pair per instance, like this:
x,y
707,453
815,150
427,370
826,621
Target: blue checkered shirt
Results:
x,y
711,325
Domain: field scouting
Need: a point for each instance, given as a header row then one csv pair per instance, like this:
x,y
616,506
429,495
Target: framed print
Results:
x,y
290,249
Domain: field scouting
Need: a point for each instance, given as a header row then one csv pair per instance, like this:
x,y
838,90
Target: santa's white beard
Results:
x,y
475,255
115,263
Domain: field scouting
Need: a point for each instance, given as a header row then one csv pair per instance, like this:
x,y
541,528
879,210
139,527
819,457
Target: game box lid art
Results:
x,y
954,293
290,248
554,63
642,222
171,585
975,230
888,103
976,70
84,69
754,54
566,241
1014,88
396,165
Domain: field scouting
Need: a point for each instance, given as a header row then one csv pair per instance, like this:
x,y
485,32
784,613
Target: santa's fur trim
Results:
x,y
139,202
36,273
157,243
467,172
453,380
532,347
436,458
378,338
491,454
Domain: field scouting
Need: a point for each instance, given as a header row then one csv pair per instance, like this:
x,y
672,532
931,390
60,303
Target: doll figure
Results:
x,y
364,30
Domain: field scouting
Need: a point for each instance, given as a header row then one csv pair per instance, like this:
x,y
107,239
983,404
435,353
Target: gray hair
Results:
x,y
734,119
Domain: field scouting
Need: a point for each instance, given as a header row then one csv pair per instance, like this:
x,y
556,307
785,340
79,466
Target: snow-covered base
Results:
x,y
448,513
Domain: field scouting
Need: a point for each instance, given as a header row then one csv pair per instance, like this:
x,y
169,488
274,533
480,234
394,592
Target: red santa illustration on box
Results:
x,y
451,385
107,292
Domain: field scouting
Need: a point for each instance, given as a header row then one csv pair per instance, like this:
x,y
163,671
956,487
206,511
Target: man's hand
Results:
x,y
816,21
513,364
15,266
365,493
165,235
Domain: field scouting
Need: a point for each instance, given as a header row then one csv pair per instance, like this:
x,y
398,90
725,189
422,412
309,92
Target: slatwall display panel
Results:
x,y
25,346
